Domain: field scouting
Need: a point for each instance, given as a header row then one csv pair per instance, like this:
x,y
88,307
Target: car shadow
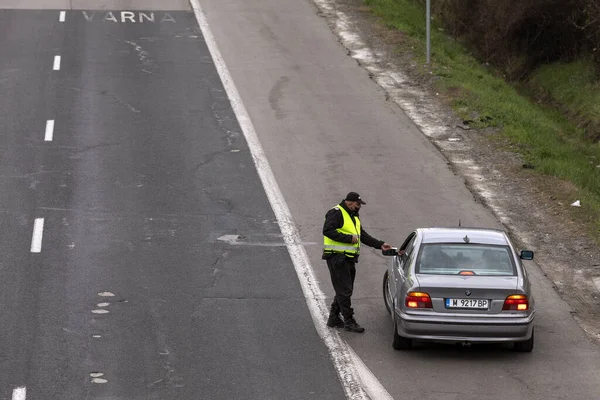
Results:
x,y
474,351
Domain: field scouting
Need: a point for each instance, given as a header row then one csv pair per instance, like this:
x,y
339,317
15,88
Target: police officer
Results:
x,y
343,235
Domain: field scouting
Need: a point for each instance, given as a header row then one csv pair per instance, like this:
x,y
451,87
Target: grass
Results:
x,y
552,139
575,88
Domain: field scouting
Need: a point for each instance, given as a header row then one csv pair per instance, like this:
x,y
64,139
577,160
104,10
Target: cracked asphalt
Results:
x,y
147,168
133,295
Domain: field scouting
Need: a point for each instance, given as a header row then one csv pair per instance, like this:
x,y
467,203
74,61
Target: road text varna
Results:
x,y
128,17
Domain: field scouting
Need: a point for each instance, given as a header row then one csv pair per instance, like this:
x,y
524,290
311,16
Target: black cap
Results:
x,y
353,196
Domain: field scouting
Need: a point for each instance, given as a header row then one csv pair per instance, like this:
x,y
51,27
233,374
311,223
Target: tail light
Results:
x,y
516,302
418,300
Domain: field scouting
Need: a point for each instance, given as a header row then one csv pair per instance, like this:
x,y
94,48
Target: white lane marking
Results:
x,y
49,130
56,66
38,231
62,17
372,386
357,380
19,393
234,241
231,239
106,294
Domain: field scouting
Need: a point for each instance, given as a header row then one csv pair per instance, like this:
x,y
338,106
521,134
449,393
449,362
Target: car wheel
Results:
x,y
525,346
386,293
400,343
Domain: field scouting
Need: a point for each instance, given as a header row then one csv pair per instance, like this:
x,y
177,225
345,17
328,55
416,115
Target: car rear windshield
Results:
x,y
465,259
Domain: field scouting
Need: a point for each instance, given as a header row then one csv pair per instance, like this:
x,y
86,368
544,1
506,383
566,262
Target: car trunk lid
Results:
x,y
467,294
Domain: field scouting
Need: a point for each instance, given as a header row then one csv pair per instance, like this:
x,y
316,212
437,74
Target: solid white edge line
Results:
x,y
62,17
49,130
36,239
56,66
19,393
356,378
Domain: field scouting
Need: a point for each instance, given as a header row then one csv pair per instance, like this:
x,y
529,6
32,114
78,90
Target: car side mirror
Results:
x,y
526,255
391,252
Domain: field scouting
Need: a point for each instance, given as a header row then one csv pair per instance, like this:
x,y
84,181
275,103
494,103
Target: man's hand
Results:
x,y
386,246
354,239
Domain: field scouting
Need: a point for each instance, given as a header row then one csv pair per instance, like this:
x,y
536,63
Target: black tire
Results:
x,y
386,294
400,343
525,346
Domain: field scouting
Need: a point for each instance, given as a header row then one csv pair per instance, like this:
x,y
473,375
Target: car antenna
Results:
x,y
459,224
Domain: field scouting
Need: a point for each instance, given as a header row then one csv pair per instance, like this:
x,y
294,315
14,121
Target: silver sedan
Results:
x,y
459,285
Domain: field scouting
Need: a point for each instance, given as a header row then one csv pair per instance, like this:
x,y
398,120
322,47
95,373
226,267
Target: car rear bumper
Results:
x,y
465,330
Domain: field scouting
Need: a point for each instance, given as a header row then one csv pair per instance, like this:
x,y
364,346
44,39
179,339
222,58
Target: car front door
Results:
x,y
400,266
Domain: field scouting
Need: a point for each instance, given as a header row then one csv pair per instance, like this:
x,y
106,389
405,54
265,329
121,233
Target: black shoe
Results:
x,y
335,321
352,326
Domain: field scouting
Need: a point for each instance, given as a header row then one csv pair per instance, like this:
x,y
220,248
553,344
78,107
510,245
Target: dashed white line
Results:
x,y
19,393
56,66
49,130
38,232
357,380
63,16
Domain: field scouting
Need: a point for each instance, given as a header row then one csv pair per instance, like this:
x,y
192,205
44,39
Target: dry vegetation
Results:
x,y
519,35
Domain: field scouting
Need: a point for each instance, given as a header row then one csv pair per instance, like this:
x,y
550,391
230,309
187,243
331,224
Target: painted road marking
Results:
x,y
128,16
596,281
19,393
38,231
357,380
234,241
56,66
49,130
63,16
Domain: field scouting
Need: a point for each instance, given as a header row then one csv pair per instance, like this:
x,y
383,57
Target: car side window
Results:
x,y
408,247
411,246
409,240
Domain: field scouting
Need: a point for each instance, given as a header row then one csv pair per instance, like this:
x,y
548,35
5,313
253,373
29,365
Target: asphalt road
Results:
x,y
327,129
160,271
144,172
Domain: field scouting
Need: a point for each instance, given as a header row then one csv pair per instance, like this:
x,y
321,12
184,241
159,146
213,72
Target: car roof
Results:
x,y
457,235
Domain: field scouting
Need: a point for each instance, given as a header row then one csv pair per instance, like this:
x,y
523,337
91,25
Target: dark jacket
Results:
x,y
335,220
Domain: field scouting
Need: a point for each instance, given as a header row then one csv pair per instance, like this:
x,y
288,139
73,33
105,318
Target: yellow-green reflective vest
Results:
x,y
349,228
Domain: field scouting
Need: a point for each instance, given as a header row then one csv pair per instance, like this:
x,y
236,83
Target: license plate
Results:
x,y
466,303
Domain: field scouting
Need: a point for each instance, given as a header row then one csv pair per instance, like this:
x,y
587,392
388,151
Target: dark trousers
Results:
x,y
343,271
